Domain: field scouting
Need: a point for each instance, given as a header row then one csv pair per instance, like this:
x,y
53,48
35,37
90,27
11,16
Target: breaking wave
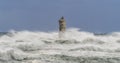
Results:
x,y
45,47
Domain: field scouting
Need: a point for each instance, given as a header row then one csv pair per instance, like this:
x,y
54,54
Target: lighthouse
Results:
x,y
62,27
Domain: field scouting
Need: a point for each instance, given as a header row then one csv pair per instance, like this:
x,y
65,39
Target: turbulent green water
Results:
x,y
45,47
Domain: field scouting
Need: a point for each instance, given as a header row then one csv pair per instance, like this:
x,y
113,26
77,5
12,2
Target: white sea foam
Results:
x,y
45,47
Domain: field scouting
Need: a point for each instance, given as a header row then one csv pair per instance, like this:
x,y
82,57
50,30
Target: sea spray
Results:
x,y
45,47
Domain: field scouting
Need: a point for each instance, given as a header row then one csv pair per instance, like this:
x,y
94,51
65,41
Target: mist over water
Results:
x,y
46,47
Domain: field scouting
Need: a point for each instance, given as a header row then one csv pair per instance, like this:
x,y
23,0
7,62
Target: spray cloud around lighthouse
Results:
x,y
45,47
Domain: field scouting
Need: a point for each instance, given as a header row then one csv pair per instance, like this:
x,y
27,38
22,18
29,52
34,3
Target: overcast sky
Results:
x,y
88,15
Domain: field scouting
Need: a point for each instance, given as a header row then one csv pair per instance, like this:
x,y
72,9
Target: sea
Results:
x,y
75,46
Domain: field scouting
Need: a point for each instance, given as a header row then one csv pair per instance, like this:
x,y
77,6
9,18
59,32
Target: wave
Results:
x,y
46,47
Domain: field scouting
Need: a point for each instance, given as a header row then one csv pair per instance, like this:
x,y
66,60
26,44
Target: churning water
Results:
x,y
45,47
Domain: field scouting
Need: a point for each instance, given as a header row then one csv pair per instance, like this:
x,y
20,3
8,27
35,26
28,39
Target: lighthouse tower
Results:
x,y
62,27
